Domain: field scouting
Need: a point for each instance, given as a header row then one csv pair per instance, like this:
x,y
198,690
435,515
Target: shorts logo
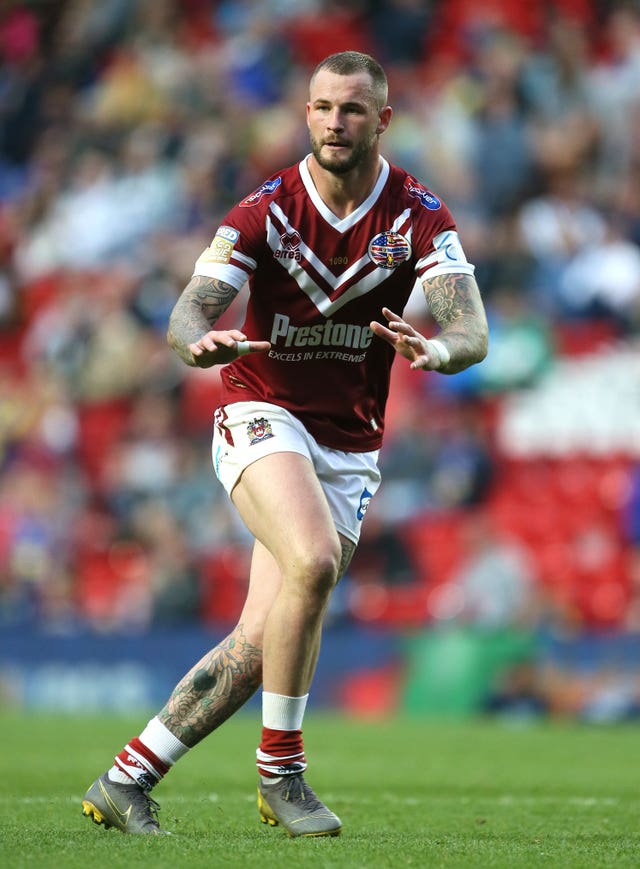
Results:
x,y
365,500
259,430
265,189
414,188
289,244
389,249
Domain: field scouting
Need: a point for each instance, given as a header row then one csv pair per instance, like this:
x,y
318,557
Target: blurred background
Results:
x,y
499,568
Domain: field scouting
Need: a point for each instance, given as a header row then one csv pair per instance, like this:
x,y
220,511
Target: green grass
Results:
x,y
410,793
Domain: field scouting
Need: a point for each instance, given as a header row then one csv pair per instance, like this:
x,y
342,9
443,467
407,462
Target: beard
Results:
x,y
338,164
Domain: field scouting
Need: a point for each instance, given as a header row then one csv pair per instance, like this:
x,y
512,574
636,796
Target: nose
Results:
x,y
334,121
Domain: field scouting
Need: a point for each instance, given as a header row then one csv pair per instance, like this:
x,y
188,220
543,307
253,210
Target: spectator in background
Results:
x,y
495,582
133,95
502,159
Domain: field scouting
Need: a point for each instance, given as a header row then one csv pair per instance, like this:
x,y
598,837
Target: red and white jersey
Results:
x,y
316,281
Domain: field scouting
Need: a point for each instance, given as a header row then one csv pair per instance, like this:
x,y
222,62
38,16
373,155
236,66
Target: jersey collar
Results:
x,y
344,223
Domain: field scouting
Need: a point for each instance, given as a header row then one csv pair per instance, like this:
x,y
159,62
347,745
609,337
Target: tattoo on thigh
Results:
x,y
348,548
216,687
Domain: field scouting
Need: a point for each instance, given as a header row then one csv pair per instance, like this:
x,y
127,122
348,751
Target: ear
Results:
x,y
384,119
308,113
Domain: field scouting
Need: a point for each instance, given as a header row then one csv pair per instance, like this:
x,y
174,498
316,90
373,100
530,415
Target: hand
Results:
x,y
409,343
218,348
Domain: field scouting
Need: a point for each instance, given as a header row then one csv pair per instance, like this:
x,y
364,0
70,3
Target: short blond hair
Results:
x,y
350,62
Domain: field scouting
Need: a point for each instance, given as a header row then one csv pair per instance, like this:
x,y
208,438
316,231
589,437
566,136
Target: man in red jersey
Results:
x,y
331,248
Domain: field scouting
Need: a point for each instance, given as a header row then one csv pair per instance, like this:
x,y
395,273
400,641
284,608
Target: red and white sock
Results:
x,y
281,750
148,757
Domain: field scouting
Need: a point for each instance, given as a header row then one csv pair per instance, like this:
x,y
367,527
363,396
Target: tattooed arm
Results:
x,y
191,333
456,305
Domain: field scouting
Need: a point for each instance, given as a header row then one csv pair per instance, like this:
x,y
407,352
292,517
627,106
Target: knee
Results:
x,y
316,571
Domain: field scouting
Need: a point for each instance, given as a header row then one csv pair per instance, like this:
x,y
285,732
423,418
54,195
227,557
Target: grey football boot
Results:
x,y
290,801
127,807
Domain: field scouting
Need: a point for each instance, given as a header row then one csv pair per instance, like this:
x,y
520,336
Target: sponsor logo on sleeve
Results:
x,y
389,249
228,233
414,188
265,189
221,248
449,244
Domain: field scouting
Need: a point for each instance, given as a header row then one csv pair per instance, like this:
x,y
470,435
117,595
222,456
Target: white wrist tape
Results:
x,y
242,348
441,350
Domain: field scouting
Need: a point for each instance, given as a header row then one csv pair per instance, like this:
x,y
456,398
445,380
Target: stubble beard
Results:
x,y
358,155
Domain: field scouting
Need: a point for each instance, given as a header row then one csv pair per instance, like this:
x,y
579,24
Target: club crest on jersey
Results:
x,y
259,430
265,189
389,249
289,244
414,188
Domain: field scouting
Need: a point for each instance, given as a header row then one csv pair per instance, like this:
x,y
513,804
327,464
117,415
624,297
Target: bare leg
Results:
x,y
227,676
282,503
348,548
216,687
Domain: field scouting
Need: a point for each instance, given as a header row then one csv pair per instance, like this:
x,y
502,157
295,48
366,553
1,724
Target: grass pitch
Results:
x,y
410,793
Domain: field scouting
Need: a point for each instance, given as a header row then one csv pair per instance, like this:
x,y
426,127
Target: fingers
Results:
x,y
213,341
259,346
218,343
397,324
382,331
388,313
244,347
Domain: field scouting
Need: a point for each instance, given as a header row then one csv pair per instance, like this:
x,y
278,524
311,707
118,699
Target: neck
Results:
x,y
344,193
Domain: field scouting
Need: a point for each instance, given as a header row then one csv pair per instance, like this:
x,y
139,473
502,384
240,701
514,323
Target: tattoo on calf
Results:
x,y
216,687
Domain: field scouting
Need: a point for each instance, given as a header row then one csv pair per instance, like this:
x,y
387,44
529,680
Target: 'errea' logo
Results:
x,y
264,190
289,244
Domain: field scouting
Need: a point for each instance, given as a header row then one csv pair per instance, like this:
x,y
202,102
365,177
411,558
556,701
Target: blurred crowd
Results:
x,y
127,130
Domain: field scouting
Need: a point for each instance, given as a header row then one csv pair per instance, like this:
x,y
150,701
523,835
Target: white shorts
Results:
x,y
247,430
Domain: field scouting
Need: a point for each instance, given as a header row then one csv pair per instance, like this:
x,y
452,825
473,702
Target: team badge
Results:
x,y
414,188
265,189
389,249
259,430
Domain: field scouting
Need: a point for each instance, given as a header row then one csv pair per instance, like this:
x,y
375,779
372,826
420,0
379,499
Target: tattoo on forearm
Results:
x,y
456,305
216,687
196,312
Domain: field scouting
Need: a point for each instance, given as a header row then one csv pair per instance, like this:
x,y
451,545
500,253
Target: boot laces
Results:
x,y
296,789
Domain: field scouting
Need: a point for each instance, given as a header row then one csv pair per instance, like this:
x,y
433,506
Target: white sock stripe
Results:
x,y
143,761
263,757
280,769
161,741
